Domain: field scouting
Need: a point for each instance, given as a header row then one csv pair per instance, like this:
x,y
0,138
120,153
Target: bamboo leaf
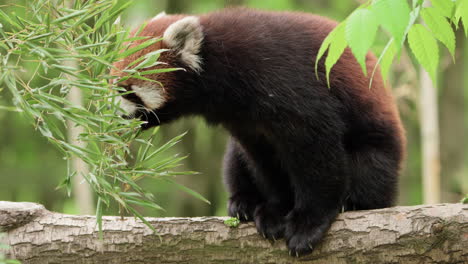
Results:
x,y
163,148
137,48
70,16
143,203
187,190
105,43
150,60
99,217
50,36
156,71
139,216
45,131
103,19
8,20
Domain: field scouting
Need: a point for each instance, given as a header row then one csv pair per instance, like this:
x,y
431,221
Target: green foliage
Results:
x,y
387,57
336,43
386,10
445,7
232,222
75,46
465,199
395,17
361,28
425,48
440,27
461,12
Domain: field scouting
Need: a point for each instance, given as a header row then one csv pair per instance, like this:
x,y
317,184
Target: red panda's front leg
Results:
x,y
238,178
255,178
316,163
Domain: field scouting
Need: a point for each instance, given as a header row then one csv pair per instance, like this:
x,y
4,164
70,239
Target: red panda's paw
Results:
x,y
243,206
270,222
303,233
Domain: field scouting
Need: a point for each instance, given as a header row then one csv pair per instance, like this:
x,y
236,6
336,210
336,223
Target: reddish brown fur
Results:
x,y
300,151
155,30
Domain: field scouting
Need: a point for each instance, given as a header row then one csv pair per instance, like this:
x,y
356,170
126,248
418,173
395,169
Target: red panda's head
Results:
x,y
183,37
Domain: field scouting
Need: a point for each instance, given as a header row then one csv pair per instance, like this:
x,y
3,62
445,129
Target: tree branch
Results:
x,y
416,234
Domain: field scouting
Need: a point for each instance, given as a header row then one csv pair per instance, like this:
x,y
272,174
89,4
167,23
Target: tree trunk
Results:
x,y
416,234
83,196
428,111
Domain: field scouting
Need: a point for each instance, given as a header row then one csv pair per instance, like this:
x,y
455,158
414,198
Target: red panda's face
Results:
x,y
182,37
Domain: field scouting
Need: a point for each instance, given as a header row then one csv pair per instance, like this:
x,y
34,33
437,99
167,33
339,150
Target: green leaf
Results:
x,y
104,19
70,16
41,36
151,59
189,191
338,30
144,203
45,131
385,60
7,19
445,7
414,15
336,43
425,49
163,148
93,45
99,217
462,13
139,216
46,38
156,71
10,108
361,28
137,48
441,28
394,16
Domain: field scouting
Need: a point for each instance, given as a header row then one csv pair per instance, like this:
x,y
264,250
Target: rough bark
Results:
x,y
416,234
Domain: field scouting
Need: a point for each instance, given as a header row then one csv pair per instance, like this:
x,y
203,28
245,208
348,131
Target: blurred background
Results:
x,y
31,168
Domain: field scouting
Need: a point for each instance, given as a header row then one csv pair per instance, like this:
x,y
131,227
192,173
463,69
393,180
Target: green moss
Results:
x,y
232,222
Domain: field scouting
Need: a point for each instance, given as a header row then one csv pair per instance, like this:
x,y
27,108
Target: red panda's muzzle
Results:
x,y
150,118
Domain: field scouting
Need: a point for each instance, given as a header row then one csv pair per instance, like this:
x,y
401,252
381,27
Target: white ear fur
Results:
x,y
186,37
163,13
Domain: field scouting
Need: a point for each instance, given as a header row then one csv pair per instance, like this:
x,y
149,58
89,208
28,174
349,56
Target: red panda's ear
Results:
x,y
185,36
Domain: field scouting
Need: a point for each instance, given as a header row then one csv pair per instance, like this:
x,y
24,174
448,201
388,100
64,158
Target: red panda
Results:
x,y
299,152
